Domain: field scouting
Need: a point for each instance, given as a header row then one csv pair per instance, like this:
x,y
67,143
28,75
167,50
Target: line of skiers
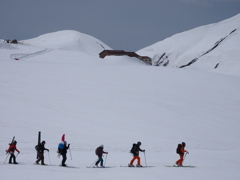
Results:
x,y
62,151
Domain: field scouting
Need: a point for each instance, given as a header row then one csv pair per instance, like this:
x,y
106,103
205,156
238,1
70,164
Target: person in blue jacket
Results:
x,y
64,153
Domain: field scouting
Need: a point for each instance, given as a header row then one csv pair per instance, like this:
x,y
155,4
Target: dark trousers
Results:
x,y
40,158
64,159
12,156
100,160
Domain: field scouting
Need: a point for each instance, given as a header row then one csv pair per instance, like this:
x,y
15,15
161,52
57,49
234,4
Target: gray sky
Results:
x,y
122,24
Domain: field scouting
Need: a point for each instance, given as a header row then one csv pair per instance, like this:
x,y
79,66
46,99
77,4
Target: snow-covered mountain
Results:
x,y
68,40
57,84
214,47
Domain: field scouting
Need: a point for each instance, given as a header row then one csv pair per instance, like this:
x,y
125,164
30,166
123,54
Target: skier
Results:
x,y
40,149
11,150
64,153
181,151
135,151
99,153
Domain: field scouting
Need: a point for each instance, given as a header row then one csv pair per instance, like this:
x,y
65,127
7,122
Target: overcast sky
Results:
x,y
122,24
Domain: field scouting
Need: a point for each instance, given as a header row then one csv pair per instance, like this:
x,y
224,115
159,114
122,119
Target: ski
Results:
x,y
39,140
39,137
68,166
40,164
189,166
13,139
100,167
19,163
138,167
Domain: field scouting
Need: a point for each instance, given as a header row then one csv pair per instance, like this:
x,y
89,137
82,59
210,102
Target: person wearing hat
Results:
x,y
99,153
41,148
135,151
181,154
64,153
11,151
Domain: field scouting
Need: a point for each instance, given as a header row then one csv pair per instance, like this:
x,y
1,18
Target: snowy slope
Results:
x,y
58,88
214,47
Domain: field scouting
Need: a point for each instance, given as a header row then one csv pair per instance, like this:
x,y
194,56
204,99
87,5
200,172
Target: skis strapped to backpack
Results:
x,y
39,140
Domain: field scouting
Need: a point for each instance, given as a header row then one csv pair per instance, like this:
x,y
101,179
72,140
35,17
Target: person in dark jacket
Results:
x,y
11,151
99,152
41,148
135,152
64,153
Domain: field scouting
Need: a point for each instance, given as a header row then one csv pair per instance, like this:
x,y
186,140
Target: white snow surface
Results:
x,y
182,48
57,84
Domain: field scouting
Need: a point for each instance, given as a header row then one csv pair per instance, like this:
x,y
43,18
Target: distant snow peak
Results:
x,y
68,40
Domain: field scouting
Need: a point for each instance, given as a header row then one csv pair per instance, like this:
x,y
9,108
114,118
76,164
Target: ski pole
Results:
x,y
145,158
17,155
6,158
105,160
185,156
49,157
70,153
93,163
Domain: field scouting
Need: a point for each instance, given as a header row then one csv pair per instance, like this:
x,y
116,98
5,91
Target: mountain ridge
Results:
x,y
210,47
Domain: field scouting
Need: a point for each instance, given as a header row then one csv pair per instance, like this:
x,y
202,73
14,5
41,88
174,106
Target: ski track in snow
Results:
x,y
19,56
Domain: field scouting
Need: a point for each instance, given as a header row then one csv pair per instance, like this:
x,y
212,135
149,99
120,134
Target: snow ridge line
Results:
x,y
19,56
211,49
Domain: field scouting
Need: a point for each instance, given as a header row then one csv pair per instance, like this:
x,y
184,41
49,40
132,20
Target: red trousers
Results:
x,y
180,161
134,158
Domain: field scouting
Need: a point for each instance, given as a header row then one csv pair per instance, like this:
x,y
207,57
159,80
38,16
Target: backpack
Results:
x,y
134,149
60,147
178,150
96,151
37,148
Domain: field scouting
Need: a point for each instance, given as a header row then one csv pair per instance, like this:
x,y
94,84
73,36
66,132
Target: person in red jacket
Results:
x,y
135,151
181,153
11,151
